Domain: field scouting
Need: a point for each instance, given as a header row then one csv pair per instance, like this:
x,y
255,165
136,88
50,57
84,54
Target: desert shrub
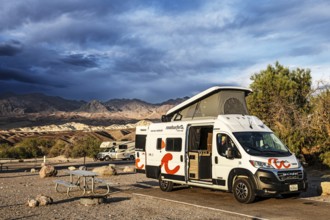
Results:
x,y
32,147
19,152
86,147
4,150
325,157
59,148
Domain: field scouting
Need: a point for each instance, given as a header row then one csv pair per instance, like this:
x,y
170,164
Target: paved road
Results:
x,y
225,204
26,166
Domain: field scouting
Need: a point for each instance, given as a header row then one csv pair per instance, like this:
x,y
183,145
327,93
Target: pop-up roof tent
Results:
x,y
218,100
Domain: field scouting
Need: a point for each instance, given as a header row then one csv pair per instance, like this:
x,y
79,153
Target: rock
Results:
x,y
112,165
88,201
82,168
47,171
128,169
44,200
105,171
325,188
32,203
71,168
33,170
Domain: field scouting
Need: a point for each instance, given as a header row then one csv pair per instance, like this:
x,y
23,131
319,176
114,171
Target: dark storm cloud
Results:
x,y
10,48
15,13
80,60
153,49
15,75
141,60
22,77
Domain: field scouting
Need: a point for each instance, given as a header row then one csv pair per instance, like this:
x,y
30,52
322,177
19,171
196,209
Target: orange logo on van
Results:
x,y
167,157
137,164
278,164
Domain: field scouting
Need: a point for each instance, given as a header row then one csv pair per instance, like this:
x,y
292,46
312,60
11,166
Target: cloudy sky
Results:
x,y
155,49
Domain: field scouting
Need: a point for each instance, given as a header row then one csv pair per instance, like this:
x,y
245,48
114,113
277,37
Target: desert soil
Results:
x,y
17,187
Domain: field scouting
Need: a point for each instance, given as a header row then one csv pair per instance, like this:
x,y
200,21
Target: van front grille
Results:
x,y
290,175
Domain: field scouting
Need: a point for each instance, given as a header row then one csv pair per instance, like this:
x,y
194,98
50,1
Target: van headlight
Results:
x,y
259,164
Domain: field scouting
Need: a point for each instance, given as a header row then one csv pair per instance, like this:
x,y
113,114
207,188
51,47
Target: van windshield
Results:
x,y
262,144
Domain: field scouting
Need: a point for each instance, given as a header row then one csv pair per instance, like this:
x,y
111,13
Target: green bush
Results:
x,y
325,157
58,149
86,147
4,150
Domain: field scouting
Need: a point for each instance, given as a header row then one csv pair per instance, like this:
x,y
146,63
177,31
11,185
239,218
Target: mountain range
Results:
x,y
35,109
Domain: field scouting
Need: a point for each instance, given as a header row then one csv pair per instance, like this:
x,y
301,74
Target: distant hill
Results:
x,y
13,104
37,109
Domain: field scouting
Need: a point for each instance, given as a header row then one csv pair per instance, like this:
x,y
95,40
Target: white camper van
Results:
x,y
210,141
112,150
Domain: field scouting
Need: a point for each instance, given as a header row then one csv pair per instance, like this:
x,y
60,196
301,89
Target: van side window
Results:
x,y
173,144
224,142
140,142
159,144
123,147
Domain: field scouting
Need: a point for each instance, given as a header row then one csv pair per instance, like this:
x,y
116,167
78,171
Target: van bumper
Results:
x,y
270,183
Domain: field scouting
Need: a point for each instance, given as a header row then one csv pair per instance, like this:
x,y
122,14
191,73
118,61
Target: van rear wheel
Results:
x,y
243,191
165,185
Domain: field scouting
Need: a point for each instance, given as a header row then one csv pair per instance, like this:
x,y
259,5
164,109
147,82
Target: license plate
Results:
x,y
294,187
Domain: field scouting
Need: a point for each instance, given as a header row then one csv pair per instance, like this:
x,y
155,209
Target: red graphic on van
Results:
x,y
137,161
167,157
278,164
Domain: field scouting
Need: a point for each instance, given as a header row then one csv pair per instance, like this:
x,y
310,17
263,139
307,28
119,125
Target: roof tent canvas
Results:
x,y
210,103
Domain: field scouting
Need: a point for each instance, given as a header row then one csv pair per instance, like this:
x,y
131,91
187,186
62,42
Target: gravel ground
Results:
x,y
17,187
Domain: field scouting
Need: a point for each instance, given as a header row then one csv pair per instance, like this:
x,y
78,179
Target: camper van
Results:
x,y
211,141
112,150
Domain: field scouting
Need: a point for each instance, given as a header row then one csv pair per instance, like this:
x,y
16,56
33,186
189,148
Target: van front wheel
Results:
x,y
165,186
243,191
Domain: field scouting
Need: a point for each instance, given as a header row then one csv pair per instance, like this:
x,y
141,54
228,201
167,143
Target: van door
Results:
x,y
140,154
199,150
172,162
225,157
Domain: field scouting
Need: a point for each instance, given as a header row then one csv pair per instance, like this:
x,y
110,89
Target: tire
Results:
x,y
243,191
131,157
107,158
165,186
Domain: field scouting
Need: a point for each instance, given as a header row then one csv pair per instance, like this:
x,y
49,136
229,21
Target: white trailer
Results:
x,y
112,150
211,141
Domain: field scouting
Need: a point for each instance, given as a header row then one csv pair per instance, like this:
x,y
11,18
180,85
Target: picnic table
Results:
x,y
84,180
3,161
2,166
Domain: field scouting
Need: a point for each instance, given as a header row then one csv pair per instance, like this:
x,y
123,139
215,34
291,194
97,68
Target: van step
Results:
x,y
204,181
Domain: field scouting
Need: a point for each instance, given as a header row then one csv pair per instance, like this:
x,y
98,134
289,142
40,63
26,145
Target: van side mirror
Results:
x,y
229,153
